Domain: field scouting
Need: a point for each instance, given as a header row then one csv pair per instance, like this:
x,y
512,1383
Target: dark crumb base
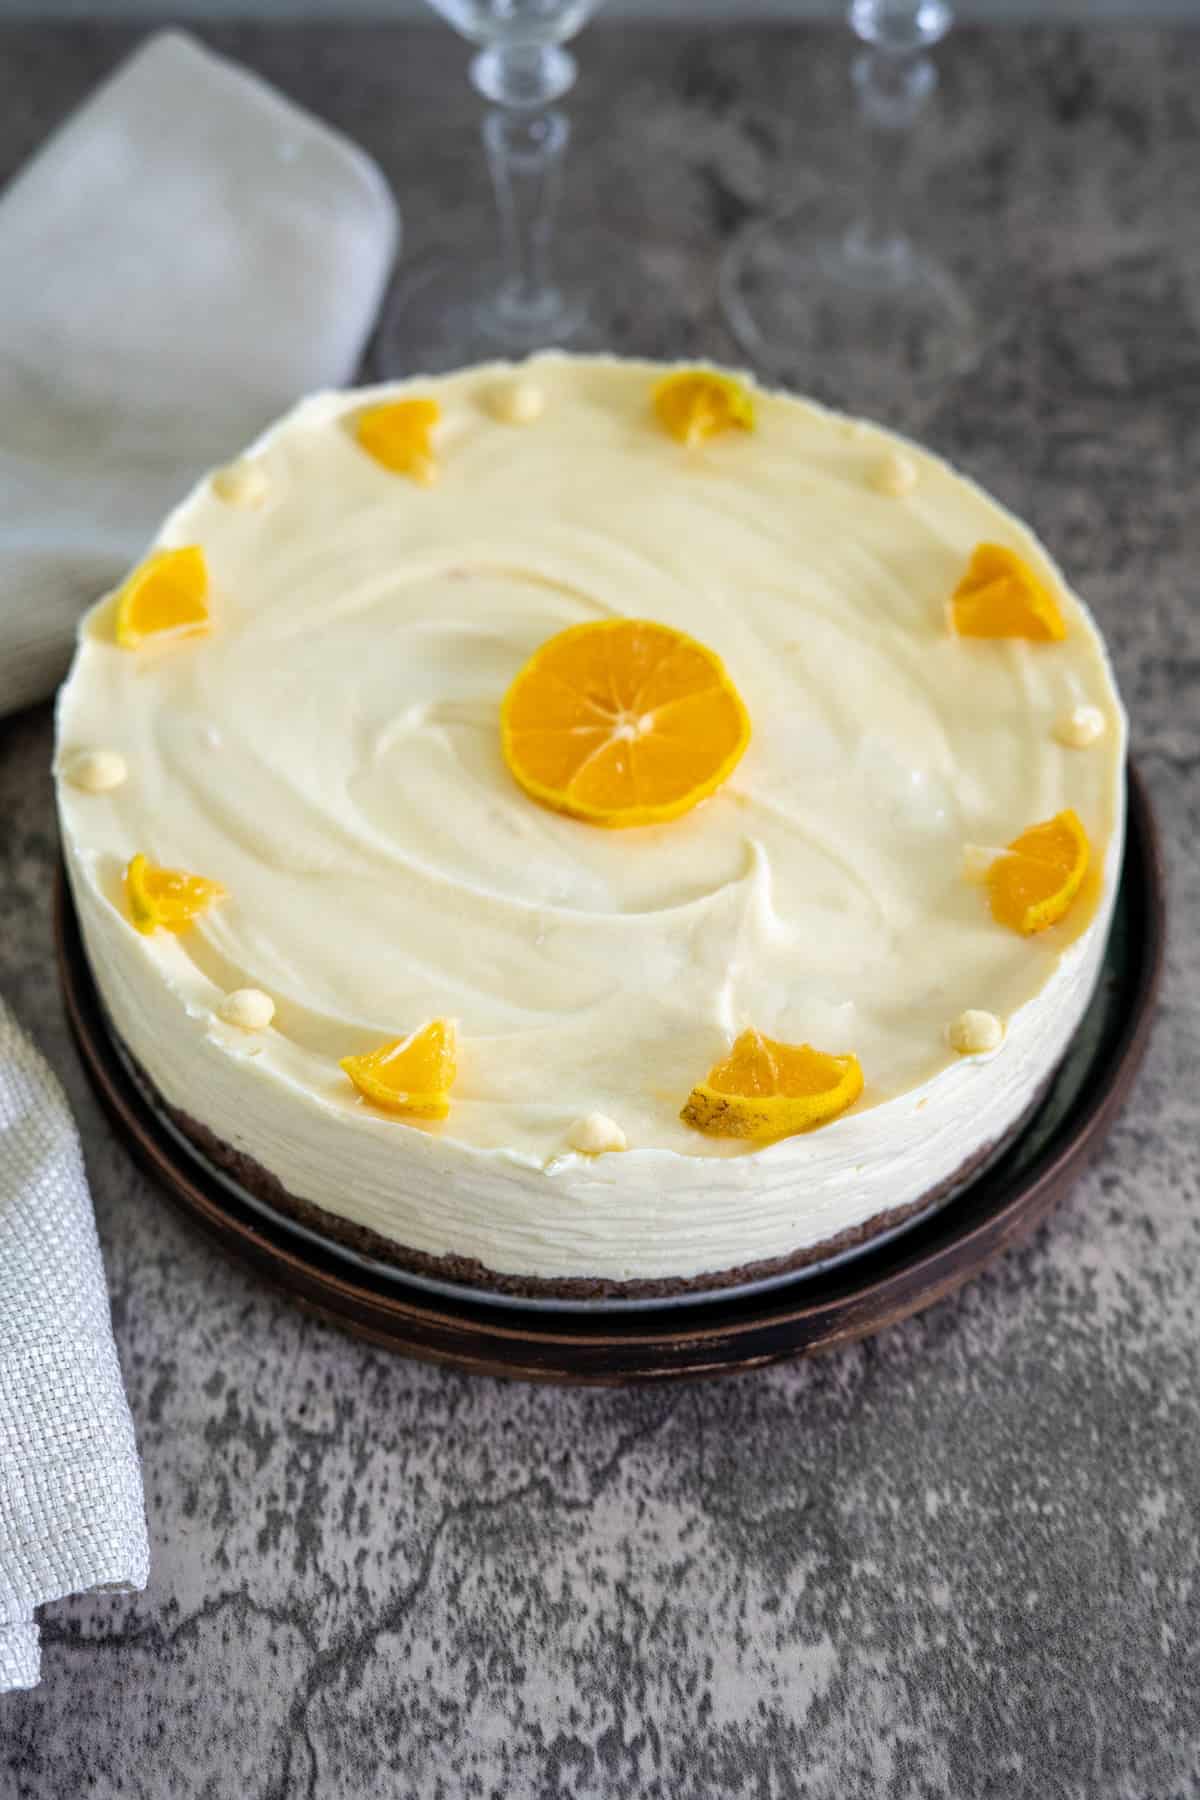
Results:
x,y
469,1272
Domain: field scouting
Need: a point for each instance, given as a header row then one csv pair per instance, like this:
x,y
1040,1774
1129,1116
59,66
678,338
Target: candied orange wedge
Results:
x,y
167,899
410,1075
1001,597
694,405
166,596
1032,885
622,722
397,435
764,1090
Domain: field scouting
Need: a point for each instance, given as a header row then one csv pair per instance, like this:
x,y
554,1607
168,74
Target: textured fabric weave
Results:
x,y
71,1509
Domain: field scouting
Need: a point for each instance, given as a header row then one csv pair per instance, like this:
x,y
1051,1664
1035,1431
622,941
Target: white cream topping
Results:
x,y
96,771
975,1032
247,1008
241,484
517,402
977,859
895,474
1080,728
596,1133
383,868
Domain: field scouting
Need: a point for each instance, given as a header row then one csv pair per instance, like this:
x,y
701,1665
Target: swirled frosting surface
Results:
x,y
330,752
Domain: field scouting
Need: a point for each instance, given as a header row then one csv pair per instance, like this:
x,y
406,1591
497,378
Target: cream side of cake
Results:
x,y
329,752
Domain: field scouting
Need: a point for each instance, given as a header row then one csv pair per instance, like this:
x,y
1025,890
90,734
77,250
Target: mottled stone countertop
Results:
x,y
958,1562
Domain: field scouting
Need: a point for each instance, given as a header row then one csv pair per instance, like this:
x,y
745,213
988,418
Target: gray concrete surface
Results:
x,y
959,1562
678,11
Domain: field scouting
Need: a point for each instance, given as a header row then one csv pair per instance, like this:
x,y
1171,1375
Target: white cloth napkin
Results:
x,y
186,256
71,1513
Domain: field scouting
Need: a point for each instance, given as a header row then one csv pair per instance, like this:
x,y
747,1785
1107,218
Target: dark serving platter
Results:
x,y
850,1297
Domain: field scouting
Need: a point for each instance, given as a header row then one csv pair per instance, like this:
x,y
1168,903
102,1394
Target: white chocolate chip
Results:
x,y
975,1033
241,484
247,1008
595,1133
894,475
1082,726
517,402
96,771
978,859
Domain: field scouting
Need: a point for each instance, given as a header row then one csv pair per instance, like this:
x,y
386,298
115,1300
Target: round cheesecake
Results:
x,y
329,750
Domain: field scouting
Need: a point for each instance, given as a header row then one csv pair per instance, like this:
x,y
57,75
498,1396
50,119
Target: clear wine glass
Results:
x,y
443,312
847,307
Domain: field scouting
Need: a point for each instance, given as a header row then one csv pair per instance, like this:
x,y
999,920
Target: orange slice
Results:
x,y
1033,884
622,722
166,595
397,435
1001,597
411,1075
769,1090
170,898
694,405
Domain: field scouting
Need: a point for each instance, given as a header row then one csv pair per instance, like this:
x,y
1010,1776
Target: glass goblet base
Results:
x,y
870,326
442,314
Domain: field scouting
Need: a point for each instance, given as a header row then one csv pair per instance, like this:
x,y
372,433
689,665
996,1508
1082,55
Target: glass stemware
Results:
x,y
851,309
443,313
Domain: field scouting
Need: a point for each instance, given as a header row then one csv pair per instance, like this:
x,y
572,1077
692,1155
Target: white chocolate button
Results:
x,y
596,1133
96,771
975,1033
241,484
894,475
978,859
1082,726
518,402
247,1008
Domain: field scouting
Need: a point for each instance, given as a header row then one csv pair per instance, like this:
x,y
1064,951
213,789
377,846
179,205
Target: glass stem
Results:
x,y
525,154
892,89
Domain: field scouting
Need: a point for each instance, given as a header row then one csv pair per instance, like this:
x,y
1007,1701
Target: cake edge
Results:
x,y
464,1271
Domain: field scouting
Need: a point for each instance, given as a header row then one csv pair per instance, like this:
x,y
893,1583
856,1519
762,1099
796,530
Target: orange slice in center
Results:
x,y
764,1089
167,595
1033,884
410,1075
622,722
1001,597
166,898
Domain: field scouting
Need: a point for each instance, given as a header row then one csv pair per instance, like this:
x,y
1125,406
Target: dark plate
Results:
x,y
847,1299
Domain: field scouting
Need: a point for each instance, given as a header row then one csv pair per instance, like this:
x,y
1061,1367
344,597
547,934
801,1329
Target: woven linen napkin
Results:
x,y
186,256
71,1513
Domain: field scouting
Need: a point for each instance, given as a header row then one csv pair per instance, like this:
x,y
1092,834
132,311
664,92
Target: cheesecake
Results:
x,y
573,827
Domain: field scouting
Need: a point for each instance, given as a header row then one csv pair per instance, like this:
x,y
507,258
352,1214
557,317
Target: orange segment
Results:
x,y
694,405
622,722
764,1089
411,1075
166,898
1033,884
397,435
167,594
1001,597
